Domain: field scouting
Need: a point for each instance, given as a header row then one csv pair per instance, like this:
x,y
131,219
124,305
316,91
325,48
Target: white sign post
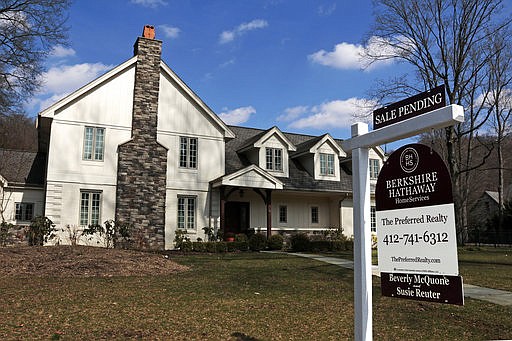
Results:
x,y
359,144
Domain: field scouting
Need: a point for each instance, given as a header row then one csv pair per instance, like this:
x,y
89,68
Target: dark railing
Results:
x,y
480,237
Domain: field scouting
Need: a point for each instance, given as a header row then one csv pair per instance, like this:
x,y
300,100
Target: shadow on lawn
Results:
x,y
243,337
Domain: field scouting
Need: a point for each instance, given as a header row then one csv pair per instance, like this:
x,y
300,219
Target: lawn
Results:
x,y
242,296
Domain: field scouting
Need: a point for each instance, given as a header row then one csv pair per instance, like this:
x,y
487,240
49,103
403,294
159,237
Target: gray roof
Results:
x,y
22,167
299,178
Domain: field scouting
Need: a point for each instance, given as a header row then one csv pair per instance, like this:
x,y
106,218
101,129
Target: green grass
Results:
x,y
244,296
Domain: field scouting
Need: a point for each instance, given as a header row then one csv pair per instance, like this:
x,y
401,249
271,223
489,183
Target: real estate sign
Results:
x,y
410,107
417,247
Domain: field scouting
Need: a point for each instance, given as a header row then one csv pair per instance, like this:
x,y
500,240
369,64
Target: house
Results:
x,y
138,145
21,186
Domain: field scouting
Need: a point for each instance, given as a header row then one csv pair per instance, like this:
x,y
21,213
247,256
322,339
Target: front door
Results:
x,y
237,217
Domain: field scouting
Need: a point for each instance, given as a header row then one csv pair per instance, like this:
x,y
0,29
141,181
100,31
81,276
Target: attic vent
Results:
x,y
149,32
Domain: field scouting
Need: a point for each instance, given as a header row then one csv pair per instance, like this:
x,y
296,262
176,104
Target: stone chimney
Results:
x,y
142,161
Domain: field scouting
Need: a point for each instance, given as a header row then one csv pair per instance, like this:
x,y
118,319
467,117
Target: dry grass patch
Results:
x,y
82,261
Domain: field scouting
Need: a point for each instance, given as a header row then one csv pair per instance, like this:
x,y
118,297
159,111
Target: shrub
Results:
x,y
242,245
275,242
40,231
320,245
221,247
300,242
211,247
199,246
186,246
180,237
4,232
257,242
241,237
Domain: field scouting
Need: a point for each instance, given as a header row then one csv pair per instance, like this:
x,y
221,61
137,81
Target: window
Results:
x,y
187,213
314,215
283,214
24,211
188,152
373,219
374,168
94,143
274,159
90,202
326,164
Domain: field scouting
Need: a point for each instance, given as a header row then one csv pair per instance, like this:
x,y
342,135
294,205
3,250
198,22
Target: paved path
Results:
x,y
500,297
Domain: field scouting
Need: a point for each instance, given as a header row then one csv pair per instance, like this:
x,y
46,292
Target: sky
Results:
x,y
294,64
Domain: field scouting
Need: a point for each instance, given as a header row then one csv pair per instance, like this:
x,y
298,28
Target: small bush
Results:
x,y
221,247
4,233
199,246
241,245
300,242
241,237
40,231
275,242
210,247
186,246
338,245
257,242
320,245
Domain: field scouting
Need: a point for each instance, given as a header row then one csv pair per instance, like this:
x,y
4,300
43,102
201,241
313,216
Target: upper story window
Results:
x,y
186,213
94,143
188,152
274,159
374,168
326,164
24,211
90,203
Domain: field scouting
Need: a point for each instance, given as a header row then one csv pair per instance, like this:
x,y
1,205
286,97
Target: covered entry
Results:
x,y
235,215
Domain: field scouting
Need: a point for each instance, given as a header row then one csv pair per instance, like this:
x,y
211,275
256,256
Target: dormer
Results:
x,y
320,156
270,151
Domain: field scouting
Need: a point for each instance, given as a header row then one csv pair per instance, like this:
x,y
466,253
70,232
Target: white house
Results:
x,y
138,145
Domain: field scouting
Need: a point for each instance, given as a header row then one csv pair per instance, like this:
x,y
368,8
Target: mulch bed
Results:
x,y
82,261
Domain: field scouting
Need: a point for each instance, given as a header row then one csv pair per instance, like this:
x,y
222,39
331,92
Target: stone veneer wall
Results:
x,y
142,161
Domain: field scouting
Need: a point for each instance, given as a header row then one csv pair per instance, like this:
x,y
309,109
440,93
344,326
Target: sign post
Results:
x,y
359,144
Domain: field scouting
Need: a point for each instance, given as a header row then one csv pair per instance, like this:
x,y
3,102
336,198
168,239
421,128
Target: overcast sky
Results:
x,y
258,63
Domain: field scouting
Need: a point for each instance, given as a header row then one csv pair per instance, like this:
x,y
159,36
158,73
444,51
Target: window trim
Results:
x,y
327,164
283,218
90,206
186,211
275,163
23,207
94,146
190,159
315,219
374,168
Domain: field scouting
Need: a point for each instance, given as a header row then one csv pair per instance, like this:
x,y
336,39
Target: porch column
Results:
x,y
222,209
268,202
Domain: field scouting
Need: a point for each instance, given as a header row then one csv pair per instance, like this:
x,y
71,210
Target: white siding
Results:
x,y
13,195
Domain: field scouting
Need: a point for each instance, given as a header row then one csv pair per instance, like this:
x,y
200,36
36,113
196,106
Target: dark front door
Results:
x,y
237,217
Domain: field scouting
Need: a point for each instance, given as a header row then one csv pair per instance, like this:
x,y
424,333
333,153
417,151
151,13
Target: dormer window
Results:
x,y
326,164
374,168
274,159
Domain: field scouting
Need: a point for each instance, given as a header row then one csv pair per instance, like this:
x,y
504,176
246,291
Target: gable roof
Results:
x,y
54,108
257,140
18,167
312,146
298,179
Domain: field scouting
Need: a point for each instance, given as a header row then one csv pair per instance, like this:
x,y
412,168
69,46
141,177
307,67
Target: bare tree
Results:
x,y
446,42
500,104
18,131
28,31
